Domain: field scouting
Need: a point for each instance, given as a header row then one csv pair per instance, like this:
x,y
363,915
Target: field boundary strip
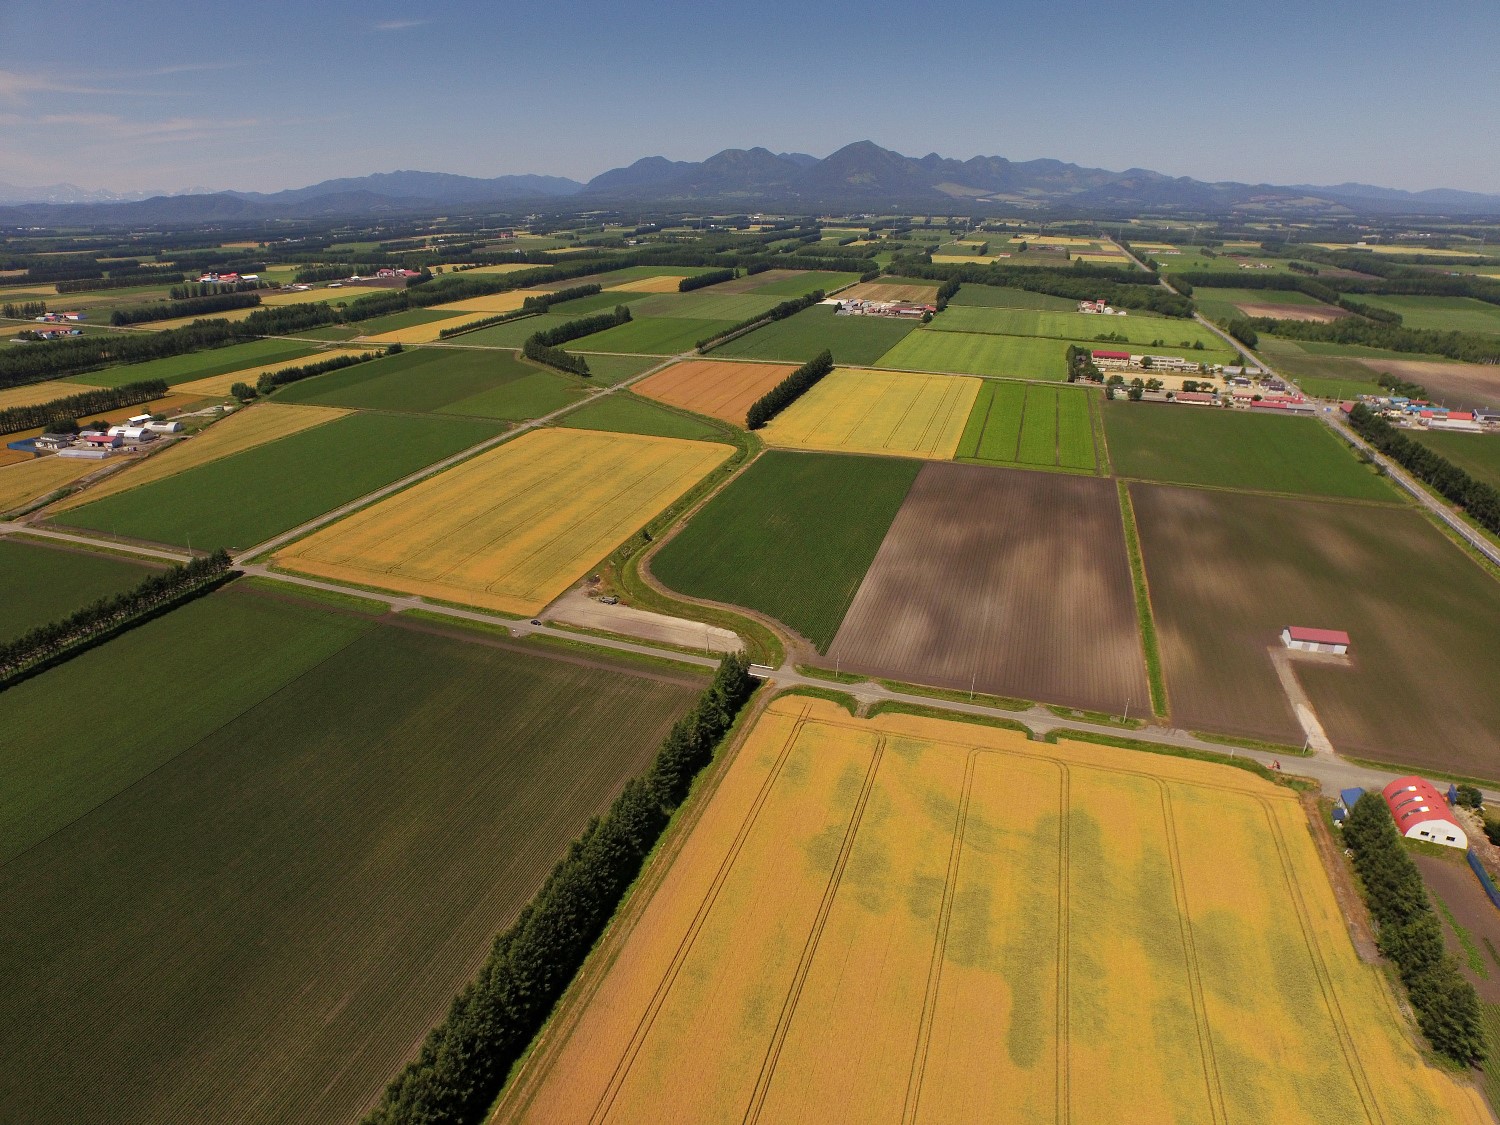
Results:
x,y
810,946
1145,613
1063,1083
700,917
940,946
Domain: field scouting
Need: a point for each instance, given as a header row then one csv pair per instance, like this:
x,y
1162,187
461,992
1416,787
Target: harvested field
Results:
x,y
1009,582
26,482
1321,314
41,581
34,394
887,412
215,386
1456,385
867,923
718,388
244,499
512,528
854,340
884,291
786,539
242,430
1235,449
1037,426
325,827
1228,571
490,304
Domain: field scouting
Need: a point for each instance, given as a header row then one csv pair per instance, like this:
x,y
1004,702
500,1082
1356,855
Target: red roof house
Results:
x,y
1421,812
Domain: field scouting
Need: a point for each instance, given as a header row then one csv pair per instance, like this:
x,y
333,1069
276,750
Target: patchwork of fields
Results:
x,y
885,412
868,922
512,528
324,820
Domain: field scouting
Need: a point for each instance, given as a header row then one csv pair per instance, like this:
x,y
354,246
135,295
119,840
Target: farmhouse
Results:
x,y
1304,639
1421,813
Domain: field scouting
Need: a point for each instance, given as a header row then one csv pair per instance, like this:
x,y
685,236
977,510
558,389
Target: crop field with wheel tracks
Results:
x,y
512,528
1036,426
1227,572
907,919
251,904
1012,583
895,413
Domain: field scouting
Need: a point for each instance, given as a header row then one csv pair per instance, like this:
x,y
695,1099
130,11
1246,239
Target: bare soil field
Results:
x,y
1228,571
1322,314
716,387
905,919
1454,384
1451,881
877,291
1011,582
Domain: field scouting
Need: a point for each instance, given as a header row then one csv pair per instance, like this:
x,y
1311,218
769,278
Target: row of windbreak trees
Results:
x,y
779,312
789,390
1083,281
14,419
1411,935
187,306
466,1059
49,644
543,346
1480,500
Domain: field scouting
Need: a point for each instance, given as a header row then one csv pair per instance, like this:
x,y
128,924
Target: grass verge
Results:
x,y
1149,645
979,699
1253,744
897,707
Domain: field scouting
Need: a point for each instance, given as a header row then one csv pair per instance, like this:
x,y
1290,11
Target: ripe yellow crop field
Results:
x,y
855,410
180,321
492,303
245,429
907,919
418,333
33,394
503,267
716,387
512,528
216,385
662,283
32,479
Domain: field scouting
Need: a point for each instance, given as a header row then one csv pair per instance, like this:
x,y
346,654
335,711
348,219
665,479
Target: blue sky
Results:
x,y
267,95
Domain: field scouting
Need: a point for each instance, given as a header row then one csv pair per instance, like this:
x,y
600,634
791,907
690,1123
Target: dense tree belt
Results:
x,y
57,359
703,280
16,418
789,390
533,349
484,322
1411,935
584,326
270,380
466,1058
1480,500
89,285
1468,346
947,291
192,306
1134,289
779,312
52,643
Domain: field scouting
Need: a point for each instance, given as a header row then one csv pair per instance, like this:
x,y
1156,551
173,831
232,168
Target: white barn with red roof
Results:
x,y
1303,639
1422,813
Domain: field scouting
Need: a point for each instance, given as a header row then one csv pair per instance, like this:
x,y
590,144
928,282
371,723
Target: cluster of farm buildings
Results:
x,y
903,310
1099,308
1419,810
1428,415
97,444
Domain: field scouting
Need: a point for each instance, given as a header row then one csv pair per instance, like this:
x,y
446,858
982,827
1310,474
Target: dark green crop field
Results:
x,y
651,336
408,318
285,881
483,384
41,583
245,499
792,537
200,365
804,282
1476,454
1235,449
1036,426
607,370
623,412
1002,297
856,341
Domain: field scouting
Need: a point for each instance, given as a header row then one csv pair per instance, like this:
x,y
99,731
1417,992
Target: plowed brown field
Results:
x,y
910,920
1455,384
883,291
1228,571
1011,582
715,387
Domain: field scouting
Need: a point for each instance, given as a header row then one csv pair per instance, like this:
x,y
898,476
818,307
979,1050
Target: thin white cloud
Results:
x,y
399,25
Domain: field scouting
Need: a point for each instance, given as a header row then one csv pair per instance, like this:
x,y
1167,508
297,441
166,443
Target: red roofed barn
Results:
x,y
1315,640
1421,812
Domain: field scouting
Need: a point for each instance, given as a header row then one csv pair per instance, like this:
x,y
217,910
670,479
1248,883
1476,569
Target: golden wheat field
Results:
x,y
491,303
911,920
514,527
418,333
181,321
854,410
30,480
242,430
662,283
503,267
217,385
716,387
34,394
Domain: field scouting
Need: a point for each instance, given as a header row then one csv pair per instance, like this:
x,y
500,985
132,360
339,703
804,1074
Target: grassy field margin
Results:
x,y
1147,622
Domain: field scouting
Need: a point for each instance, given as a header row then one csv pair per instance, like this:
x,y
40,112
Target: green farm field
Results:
x,y
302,848
482,384
791,537
1228,571
623,412
651,336
977,353
1223,304
607,370
1476,454
199,365
804,282
1075,326
705,304
244,499
40,582
856,341
408,318
1235,449
1003,297
1443,314
1031,426
512,333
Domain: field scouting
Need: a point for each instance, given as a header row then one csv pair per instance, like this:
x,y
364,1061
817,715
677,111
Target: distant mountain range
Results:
x,y
859,177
